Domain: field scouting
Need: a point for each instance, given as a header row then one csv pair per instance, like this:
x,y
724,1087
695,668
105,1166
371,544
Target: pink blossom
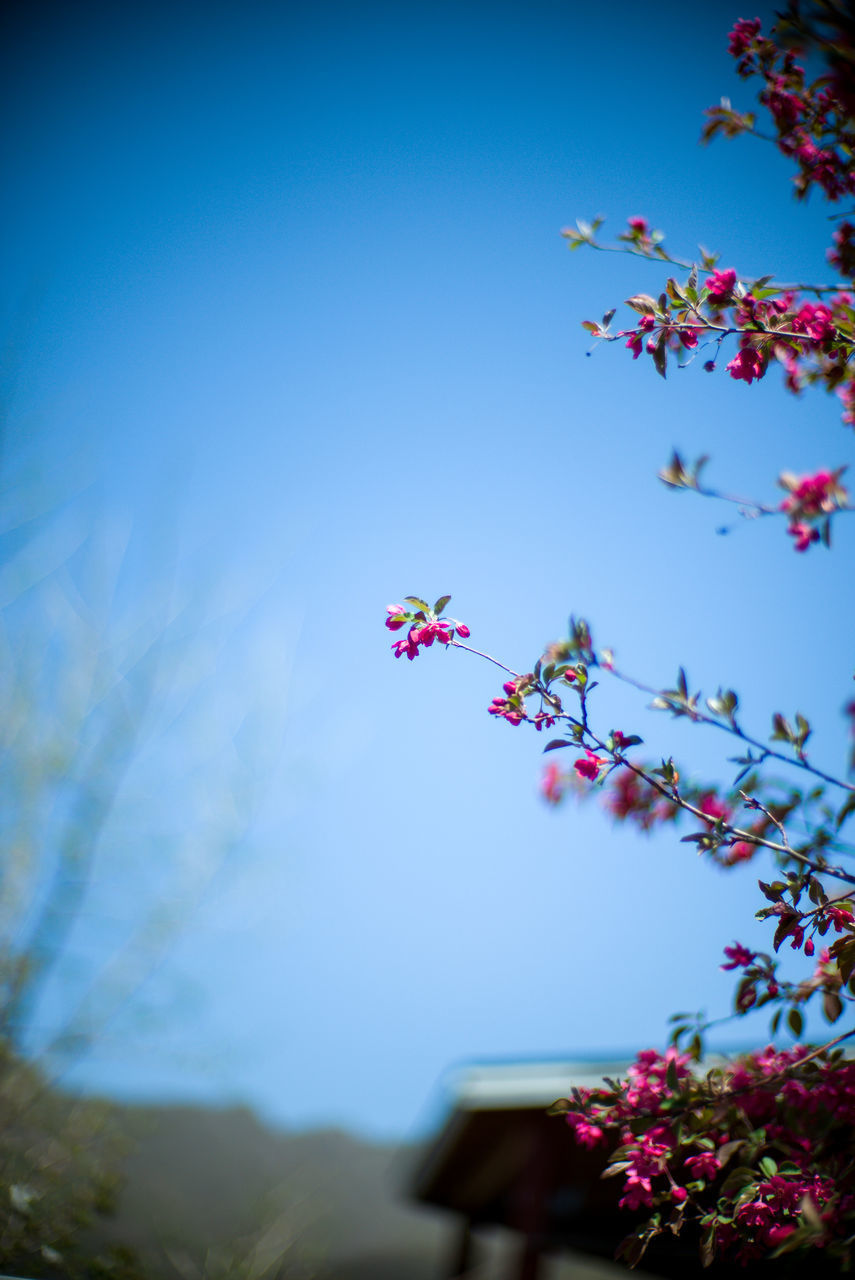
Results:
x,y
552,784
638,226
778,1233
746,365
743,36
589,1135
706,1165
721,285
803,534
590,766
754,1214
813,495
391,622
739,956
635,340
815,320
409,645
463,630
713,808
431,631
507,710
740,851
638,1193
840,917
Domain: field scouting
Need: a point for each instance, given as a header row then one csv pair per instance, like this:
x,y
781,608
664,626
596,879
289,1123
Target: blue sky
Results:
x,y
291,332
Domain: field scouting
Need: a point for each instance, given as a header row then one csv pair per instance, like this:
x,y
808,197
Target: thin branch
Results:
x,y
480,654
768,752
661,256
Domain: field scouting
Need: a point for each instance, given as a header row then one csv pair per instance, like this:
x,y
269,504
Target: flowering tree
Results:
x,y
756,1156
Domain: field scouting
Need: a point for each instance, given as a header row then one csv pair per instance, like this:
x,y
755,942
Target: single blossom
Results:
x,y
803,534
706,1165
713,808
739,957
589,767
552,783
746,365
721,285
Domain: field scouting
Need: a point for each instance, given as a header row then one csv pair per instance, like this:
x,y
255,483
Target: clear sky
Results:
x,y
290,333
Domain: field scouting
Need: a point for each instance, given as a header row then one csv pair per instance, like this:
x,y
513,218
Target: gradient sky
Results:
x,y
291,332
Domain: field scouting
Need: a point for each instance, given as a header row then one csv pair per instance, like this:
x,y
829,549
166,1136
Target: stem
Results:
x,y
480,654
661,256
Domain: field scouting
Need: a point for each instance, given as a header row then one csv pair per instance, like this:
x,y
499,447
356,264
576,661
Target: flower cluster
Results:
x,y
757,1153
811,341
425,626
813,121
809,502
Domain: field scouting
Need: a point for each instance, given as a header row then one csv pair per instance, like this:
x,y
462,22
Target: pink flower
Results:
x,y
392,622
463,630
506,710
552,784
803,534
813,495
777,1234
721,285
755,1214
713,808
746,365
587,1134
590,766
638,1193
638,226
679,1195
743,36
739,957
636,338
409,645
740,851
706,1165
815,320
433,631
840,917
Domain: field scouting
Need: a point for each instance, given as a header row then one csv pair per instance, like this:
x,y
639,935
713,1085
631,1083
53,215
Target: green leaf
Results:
x,y
642,303
846,810
418,602
795,1022
832,1006
768,1165
782,730
442,603
556,743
